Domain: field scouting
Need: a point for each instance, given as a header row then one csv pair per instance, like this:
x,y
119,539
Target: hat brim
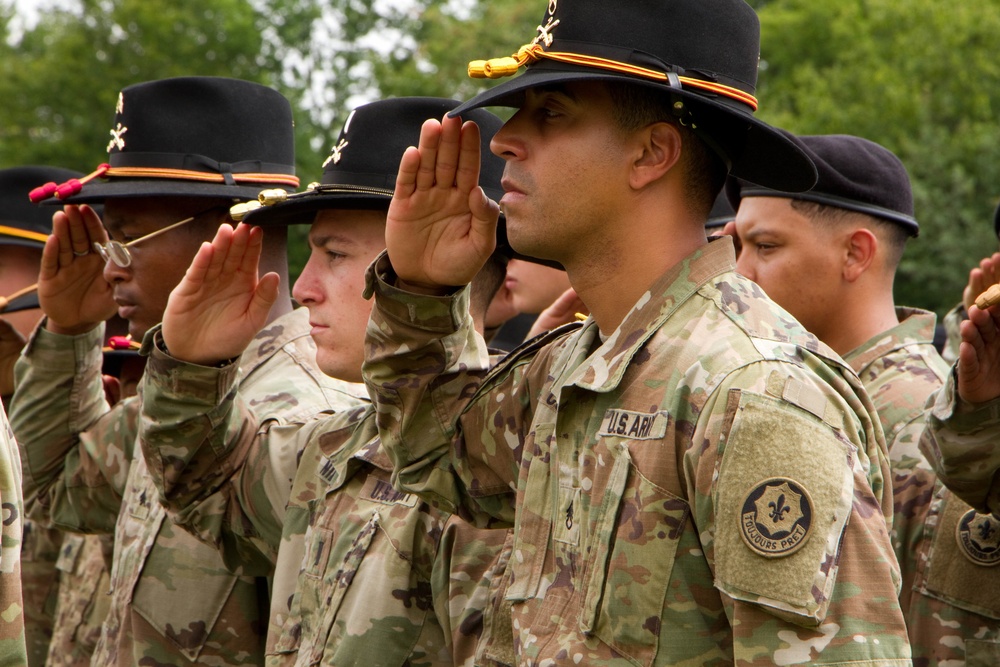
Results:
x,y
302,210
23,243
157,187
758,152
27,302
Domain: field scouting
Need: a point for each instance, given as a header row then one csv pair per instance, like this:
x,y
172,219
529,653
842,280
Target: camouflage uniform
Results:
x,y
702,487
83,602
952,322
951,608
39,587
12,647
364,575
960,443
171,596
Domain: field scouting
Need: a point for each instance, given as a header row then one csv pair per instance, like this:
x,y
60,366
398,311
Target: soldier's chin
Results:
x,y
336,366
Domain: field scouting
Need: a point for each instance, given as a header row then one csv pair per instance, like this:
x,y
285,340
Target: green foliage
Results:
x,y
920,78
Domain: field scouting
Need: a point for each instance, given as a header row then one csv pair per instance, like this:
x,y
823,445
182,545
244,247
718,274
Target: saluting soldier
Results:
x,y
829,256
363,574
692,477
181,152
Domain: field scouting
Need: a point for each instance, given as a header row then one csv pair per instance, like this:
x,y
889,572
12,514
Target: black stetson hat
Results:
x,y
361,169
23,223
854,174
703,53
190,137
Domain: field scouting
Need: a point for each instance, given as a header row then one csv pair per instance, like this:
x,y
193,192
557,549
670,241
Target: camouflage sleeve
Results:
x,y
423,362
790,525
217,468
13,651
463,571
75,449
960,442
952,323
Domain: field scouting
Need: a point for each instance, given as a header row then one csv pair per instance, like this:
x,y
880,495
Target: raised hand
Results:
x,y
562,311
441,226
979,356
71,287
981,278
220,304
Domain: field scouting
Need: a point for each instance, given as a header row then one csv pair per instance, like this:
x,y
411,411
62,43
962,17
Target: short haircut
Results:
x,y
635,107
892,236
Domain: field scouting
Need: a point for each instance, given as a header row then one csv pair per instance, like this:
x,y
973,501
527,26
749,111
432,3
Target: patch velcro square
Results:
x,y
782,501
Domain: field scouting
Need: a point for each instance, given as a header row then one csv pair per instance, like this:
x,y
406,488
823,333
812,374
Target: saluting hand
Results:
x,y
441,226
980,279
220,304
979,356
71,287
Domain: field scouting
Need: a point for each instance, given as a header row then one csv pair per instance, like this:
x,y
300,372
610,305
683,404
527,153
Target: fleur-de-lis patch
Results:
x,y
120,106
545,32
336,153
978,536
776,517
117,138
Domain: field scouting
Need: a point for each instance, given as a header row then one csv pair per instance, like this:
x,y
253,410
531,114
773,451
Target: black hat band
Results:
x,y
496,68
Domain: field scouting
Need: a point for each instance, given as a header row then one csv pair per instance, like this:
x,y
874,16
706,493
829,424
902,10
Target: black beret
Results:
x,y
854,174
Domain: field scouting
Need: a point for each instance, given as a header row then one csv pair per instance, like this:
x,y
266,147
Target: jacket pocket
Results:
x,y
633,548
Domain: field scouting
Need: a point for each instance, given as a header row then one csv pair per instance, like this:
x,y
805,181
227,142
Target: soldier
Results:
x,y
847,235
363,574
182,151
692,477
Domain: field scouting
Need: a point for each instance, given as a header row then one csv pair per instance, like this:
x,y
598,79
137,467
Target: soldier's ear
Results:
x,y
860,249
657,149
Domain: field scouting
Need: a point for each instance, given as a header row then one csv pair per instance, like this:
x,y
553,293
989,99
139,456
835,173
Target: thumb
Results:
x,y
485,213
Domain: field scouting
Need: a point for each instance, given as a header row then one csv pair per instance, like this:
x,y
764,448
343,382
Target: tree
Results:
x,y
918,77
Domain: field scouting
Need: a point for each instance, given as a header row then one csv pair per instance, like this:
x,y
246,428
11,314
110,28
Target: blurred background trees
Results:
x,y
917,76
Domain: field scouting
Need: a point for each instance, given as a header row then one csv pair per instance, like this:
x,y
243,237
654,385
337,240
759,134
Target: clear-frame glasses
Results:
x,y
117,252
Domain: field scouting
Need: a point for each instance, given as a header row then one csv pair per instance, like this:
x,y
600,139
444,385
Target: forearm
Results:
x,y
197,434
960,442
74,448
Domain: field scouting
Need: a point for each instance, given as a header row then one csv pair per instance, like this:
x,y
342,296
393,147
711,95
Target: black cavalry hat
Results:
x,y
854,174
703,53
721,213
361,169
22,222
190,137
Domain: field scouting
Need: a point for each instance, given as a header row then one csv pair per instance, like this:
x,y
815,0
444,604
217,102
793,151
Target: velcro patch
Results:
x,y
978,537
328,471
776,517
634,425
381,491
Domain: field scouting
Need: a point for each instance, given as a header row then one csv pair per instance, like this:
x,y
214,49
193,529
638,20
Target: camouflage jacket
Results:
x,y
365,575
82,601
960,443
172,597
951,607
39,587
900,368
13,652
702,487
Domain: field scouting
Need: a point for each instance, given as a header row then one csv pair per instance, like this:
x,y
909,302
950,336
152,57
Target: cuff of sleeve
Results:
x,y
52,351
437,314
179,380
962,416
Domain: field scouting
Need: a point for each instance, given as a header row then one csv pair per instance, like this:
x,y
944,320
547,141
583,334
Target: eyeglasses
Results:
x,y
117,252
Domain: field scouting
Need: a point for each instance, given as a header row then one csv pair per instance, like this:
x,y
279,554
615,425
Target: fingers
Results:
x,y
63,243
452,144
234,259
220,252
485,213
264,297
406,178
50,257
94,226
467,175
430,140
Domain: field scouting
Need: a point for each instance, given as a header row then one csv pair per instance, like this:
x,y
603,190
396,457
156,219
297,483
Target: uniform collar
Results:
x,y
273,337
916,327
604,369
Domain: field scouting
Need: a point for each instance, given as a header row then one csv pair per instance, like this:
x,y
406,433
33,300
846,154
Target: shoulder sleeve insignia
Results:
x,y
776,517
978,537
